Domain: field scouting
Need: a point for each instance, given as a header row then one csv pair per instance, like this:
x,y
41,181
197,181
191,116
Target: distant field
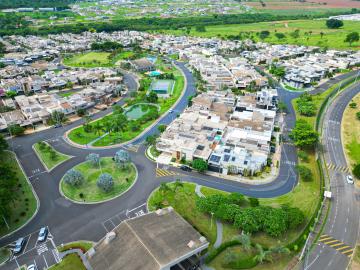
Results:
x,y
309,32
313,4
91,59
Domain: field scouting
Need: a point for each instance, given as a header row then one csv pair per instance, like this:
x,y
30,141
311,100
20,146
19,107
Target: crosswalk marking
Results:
x,y
334,167
163,173
132,147
336,244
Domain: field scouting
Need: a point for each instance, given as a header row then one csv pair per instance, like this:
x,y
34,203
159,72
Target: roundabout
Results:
x,y
89,190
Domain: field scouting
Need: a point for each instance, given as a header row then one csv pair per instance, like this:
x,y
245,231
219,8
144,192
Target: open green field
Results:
x,y
70,262
309,32
96,59
350,132
25,206
123,178
90,59
45,154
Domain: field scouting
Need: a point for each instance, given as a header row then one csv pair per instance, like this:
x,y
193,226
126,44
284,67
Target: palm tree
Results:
x,y
108,126
178,184
97,127
263,255
245,241
164,188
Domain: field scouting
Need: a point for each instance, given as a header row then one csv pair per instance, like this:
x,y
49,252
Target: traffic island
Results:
x,y
95,183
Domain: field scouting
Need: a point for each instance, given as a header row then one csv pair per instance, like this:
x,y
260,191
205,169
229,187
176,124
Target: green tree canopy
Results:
x,y
200,165
304,135
334,23
352,37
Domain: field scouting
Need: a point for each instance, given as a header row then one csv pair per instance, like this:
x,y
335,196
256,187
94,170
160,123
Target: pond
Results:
x,y
138,110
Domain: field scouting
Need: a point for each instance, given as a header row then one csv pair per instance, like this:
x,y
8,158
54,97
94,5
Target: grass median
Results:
x,y
89,192
49,156
24,207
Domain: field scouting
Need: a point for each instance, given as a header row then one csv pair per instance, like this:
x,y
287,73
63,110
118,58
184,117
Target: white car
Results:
x,y
349,179
31,267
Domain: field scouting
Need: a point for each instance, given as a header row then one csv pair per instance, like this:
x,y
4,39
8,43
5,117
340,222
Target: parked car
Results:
x,y
43,233
349,179
57,125
19,245
31,267
171,111
185,168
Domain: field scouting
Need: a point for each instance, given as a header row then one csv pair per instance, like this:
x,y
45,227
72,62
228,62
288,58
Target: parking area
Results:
x,y
41,254
115,220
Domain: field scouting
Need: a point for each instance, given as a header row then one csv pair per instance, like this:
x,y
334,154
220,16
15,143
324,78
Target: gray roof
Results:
x,y
147,242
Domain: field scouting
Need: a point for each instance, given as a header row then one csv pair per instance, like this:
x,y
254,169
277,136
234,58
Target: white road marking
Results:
x,y
311,263
47,266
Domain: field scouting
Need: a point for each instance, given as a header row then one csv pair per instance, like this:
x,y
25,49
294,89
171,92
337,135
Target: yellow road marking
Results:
x,y
326,238
344,252
345,247
340,244
332,241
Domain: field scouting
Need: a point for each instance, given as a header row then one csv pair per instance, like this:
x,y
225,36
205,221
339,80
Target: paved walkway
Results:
x,y
219,225
81,255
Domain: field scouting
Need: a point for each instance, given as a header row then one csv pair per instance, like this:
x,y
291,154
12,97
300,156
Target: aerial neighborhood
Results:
x,y
172,135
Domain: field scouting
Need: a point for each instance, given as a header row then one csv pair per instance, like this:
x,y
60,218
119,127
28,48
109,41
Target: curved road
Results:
x,y
69,222
343,219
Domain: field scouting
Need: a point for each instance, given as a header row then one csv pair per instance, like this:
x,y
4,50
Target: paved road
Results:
x,y
68,221
343,220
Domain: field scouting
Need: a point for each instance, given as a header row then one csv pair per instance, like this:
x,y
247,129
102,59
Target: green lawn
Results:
x,y
309,32
79,136
350,129
89,189
90,59
83,245
25,206
70,262
4,254
45,155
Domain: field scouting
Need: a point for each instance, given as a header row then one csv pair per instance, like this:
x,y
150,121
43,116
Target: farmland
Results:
x,y
310,33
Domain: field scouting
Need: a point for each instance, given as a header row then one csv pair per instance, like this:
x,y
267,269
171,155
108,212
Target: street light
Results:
x,y
212,215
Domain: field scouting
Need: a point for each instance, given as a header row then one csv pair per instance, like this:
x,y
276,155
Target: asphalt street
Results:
x,y
70,222
340,234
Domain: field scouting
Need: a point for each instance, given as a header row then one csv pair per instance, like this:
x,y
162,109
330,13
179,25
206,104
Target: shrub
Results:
x,y
306,106
122,158
73,178
105,182
356,171
305,173
200,165
93,159
254,202
303,156
42,145
353,105
358,115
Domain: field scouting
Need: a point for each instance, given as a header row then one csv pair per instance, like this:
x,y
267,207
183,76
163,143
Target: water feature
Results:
x,y
138,110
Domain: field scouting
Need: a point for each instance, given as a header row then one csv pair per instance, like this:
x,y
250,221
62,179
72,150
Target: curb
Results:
x,y
34,193
43,163
66,138
107,200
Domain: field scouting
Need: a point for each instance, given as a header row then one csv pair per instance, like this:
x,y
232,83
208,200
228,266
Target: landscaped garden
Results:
x,y
119,126
275,224
18,202
99,179
83,245
49,156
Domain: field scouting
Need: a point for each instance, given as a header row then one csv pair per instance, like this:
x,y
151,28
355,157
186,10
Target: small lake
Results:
x,y
138,110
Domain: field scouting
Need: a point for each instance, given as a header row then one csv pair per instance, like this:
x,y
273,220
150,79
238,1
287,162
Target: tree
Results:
x,y
356,171
358,115
295,217
53,154
105,182
264,34
305,173
177,185
97,127
3,143
279,72
58,117
16,130
8,186
108,126
122,158
245,241
120,122
352,37
295,34
93,159
280,35
200,28
304,135
334,23
282,106
254,202
200,165
81,112
152,97
134,126
150,140
306,106
161,128
118,109
74,178
164,188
